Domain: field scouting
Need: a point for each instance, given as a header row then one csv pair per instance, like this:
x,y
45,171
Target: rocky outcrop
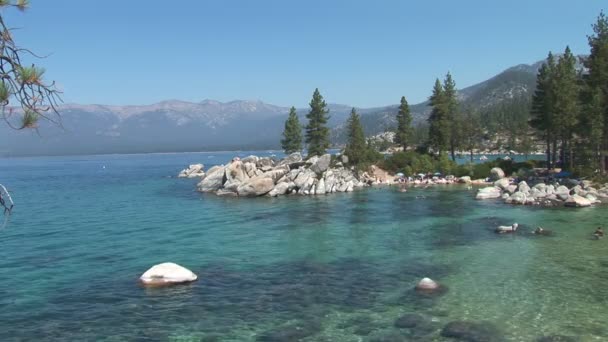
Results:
x,y
580,195
193,171
253,176
166,274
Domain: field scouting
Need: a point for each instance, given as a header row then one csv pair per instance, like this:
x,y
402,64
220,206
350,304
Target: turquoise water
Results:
x,y
330,268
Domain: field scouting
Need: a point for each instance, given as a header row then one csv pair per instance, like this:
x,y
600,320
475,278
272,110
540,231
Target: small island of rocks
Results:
x,y
264,176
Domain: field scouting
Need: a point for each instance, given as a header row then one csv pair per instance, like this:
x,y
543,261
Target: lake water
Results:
x,y
339,267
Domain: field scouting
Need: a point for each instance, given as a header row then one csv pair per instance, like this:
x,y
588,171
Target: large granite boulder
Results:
x,y
502,183
166,274
464,179
496,173
321,164
304,178
279,189
488,193
562,192
577,201
511,189
294,158
236,171
265,163
277,173
250,159
255,187
320,187
523,187
213,181
517,198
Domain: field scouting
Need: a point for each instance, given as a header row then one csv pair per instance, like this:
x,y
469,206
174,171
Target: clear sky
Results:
x,y
361,53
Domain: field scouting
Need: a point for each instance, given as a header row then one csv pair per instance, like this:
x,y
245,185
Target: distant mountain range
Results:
x,y
175,126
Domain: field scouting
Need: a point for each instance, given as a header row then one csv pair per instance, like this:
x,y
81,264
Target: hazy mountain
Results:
x,y
212,125
516,81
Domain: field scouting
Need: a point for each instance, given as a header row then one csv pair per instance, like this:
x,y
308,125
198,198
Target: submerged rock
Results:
x,y
557,338
291,332
167,273
408,321
472,331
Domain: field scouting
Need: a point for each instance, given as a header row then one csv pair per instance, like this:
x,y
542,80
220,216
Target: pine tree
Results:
x,y
356,147
597,77
403,136
591,129
566,97
452,117
543,104
317,132
438,129
292,135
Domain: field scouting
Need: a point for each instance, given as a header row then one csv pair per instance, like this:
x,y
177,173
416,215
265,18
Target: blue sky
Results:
x,y
361,53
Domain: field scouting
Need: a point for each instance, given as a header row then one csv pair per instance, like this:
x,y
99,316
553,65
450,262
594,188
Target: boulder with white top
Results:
x,y
166,274
427,284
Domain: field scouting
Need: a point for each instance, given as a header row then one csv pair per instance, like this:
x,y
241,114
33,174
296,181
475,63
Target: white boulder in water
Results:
x,y
427,284
167,273
507,229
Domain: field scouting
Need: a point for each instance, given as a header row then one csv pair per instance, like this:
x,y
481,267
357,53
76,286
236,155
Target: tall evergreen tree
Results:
x,y
543,104
591,129
452,117
438,127
356,147
317,132
566,105
597,77
403,136
292,135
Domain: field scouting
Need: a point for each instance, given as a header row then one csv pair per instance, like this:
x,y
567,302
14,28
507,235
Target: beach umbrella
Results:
x,y
437,174
400,174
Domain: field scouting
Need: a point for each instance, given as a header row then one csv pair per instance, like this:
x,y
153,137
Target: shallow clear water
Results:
x,y
330,268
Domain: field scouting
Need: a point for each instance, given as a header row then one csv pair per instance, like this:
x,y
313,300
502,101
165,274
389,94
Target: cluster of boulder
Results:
x,y
192,171
580,194
263,176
